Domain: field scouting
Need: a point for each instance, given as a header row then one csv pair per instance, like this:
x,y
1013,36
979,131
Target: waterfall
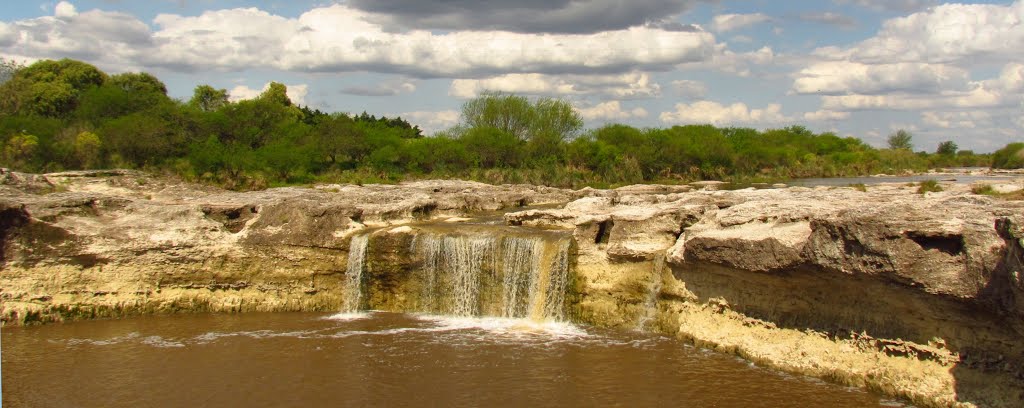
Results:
x,y
519,277
650,310
452,267
354,273
492,275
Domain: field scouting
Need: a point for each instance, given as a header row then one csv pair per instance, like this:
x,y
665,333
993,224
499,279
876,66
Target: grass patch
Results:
x,y
859,187
986,189
929,186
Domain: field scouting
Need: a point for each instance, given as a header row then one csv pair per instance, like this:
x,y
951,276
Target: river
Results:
x,y
382,359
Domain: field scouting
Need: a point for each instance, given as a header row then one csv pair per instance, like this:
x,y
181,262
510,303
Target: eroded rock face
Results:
x,y
922,291
107,243
918,296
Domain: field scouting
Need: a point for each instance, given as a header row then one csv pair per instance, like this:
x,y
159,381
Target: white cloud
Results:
x,y
115,41
717,114
690,89
432,121
950,33
7,34
631,85
610,111
1011,79
339,38
729,22
842,77
297,93
1004,91
739,64
826,116
962,120
976,98
64,10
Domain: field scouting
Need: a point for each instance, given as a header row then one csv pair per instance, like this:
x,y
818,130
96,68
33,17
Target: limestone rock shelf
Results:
x,y
917,296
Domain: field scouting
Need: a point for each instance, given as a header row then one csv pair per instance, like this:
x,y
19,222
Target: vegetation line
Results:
x,y
61,115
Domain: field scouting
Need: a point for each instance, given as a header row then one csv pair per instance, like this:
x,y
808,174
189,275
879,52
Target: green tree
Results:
x,y
1010,156
20,150
87,149
492,147
947,148
139,138
139,82
511,114
50,88
900,140
339,139
206,98
276,93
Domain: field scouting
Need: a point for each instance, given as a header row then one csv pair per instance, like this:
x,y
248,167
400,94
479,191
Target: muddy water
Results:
x,y
380,359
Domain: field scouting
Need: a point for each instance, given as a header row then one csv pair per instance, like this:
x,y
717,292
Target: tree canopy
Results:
x,y
901,140
66,114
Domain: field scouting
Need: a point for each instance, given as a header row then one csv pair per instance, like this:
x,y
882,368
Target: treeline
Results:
x,y
60,115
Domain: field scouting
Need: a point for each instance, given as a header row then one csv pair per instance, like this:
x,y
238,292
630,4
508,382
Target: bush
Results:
x,y
928,186
984,189
1009,157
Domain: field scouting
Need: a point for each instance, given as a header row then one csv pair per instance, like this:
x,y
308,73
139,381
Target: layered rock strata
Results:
x,y
917,296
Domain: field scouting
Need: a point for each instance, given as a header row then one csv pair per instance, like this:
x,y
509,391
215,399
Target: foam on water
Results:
x,y
508,327
349,316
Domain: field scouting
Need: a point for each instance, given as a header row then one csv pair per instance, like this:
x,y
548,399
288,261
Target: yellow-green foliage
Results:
x,y
986,189
928,186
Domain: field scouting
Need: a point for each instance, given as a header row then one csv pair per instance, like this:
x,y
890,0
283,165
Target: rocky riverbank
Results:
x,y
918,296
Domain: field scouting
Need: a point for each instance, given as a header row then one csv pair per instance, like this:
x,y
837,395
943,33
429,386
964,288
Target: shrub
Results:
x,y
928,186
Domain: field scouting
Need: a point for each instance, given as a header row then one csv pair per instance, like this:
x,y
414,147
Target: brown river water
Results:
x,y
382,359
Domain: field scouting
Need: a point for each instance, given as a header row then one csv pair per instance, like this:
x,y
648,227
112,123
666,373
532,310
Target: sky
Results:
x,y
862,68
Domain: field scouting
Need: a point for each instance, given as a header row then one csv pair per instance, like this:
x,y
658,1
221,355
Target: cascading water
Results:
x,y
354,273
650,310
482,274
452,269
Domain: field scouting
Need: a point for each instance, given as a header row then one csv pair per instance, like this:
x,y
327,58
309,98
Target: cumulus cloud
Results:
x,y
340,38
297,93
110,38
432,121
830,18
690,89
843,77
729,22
717,114
950,33
610,111
1004,91
927,63
386,88
632,85
525,16
64,10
